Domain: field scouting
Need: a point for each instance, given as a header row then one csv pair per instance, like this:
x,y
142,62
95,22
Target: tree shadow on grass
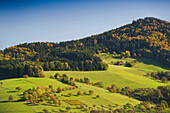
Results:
x,y
153,62
12,101
94,98
11,91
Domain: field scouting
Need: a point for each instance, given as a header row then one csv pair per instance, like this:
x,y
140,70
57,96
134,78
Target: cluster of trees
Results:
x,y
18,68
41,94
79,62
87,81
71,81
142,107
144,94
163,76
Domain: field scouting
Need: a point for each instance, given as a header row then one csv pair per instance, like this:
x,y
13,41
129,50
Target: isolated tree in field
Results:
x,y
68,108
91,92
18,88
84,93
69,94
59,102
10,98
50,86
97,96
164,79
78,93
45,110
57,75
59,89
55,101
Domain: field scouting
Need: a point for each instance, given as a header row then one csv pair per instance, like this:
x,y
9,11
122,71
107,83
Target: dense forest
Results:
x,y
148,37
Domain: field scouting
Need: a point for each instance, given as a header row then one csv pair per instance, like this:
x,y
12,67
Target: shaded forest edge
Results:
x,y
148,37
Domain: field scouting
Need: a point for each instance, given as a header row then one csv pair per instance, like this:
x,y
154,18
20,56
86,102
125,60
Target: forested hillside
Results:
x,y
148,37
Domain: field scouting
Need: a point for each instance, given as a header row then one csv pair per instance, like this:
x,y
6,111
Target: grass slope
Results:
x,y
9,85
8,88
120,75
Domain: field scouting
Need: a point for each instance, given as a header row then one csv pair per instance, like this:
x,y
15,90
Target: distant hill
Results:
x,y
148,37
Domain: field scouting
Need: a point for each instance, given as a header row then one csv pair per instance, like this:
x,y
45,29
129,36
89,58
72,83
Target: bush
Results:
x,y
84,93
57,75
69,94
129,64
45,110
78,93
59,90
90,92
50,86
18,88
97,96
10,98
68,108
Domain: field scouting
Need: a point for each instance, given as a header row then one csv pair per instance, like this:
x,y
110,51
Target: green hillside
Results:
x,y
120,75
147,38
122,70
9,85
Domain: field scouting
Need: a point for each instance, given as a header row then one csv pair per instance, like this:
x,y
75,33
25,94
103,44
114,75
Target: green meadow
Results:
x,y
119,75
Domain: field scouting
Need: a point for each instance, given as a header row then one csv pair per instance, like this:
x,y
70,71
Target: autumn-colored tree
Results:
x,y
78,93
25,76
59,90
95,41
164,79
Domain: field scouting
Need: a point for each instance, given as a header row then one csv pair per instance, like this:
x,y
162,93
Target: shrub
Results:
x,y
91,92
68,108
10,98
18,88
59,90
50,86
129,64
57,75
45,110
78,93
97,96
69,94
84,93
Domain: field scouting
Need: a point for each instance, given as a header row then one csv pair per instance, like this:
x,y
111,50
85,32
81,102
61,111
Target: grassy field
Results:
x,y
9,85
120,75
